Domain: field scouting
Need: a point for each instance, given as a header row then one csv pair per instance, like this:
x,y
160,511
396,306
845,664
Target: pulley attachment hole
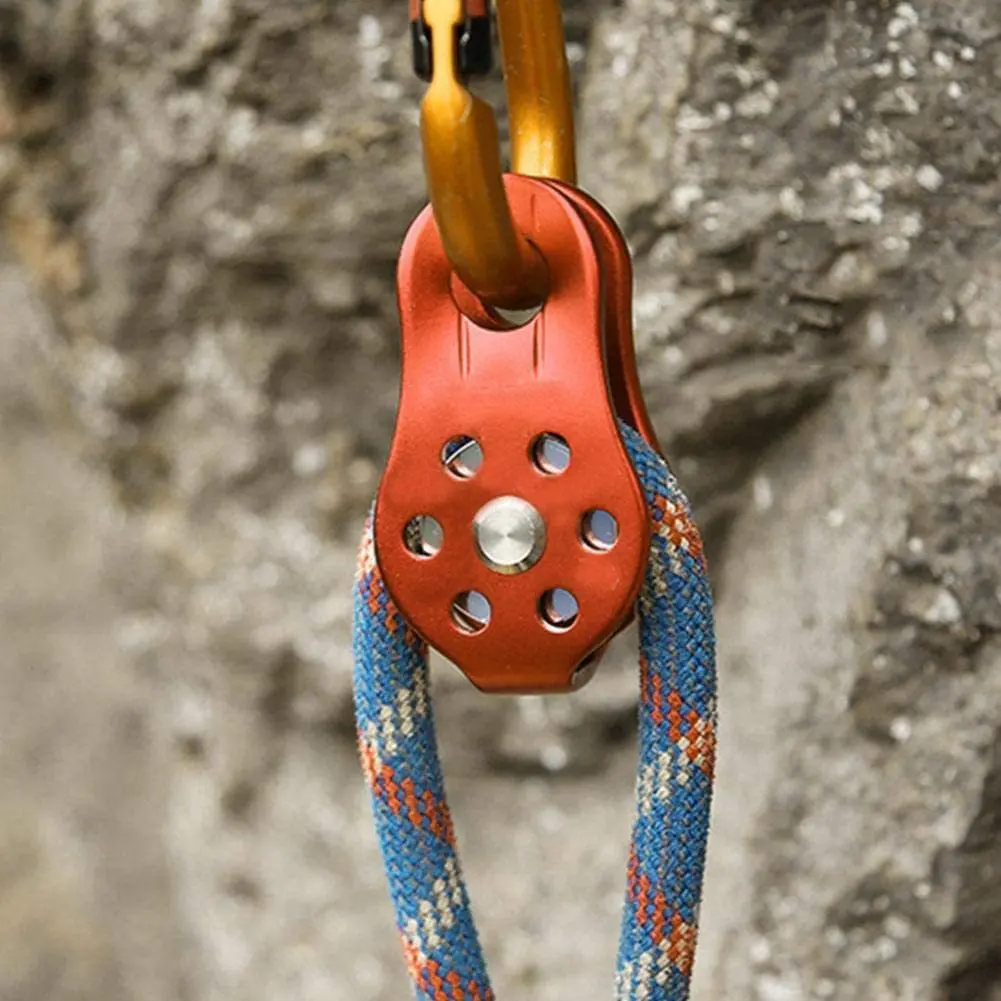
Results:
x,y
471,612
517,317
558,609
551,453
423,536
462,456
599,531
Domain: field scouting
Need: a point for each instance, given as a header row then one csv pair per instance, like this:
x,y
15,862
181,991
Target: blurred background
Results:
x,y
200,206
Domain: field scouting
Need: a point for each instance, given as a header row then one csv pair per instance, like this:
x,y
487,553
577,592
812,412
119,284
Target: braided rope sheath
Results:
x,y
674,787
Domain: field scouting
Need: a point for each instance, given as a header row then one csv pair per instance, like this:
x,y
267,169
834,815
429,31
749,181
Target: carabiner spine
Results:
x,y
539,95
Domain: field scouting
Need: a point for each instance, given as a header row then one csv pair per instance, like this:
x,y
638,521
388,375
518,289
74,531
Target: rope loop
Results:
x,y
677,740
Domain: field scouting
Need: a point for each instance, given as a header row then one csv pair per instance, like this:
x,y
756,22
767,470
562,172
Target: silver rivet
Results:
x,y
510,535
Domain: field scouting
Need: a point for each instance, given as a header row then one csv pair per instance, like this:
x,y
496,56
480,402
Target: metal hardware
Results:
x,y
510,535
491,256
472,38
504,389
620,349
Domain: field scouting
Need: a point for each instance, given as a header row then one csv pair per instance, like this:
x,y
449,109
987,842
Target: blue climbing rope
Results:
x,y
677,735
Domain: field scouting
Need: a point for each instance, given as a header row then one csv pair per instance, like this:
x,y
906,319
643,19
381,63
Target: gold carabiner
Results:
x,y
462,151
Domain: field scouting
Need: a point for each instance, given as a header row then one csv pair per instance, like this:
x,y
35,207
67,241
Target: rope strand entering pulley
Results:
x,y
677,737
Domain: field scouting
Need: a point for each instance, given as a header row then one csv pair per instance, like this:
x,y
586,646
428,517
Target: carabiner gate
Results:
x,y
461,147
473,41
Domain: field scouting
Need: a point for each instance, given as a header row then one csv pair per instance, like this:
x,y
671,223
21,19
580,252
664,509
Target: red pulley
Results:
x,y
510,527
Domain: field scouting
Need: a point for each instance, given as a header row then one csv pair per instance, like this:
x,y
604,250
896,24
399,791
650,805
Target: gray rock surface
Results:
x,y
200,205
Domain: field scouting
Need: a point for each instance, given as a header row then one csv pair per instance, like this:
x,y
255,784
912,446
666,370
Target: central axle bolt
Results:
x,y
510,535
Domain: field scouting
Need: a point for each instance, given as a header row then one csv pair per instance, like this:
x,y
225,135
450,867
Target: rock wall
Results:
x,y
201,203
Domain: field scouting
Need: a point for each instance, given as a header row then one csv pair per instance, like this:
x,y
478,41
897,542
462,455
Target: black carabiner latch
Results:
x,y
473,41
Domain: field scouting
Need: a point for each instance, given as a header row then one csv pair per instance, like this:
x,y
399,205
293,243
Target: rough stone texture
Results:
x,y
83,870
204,201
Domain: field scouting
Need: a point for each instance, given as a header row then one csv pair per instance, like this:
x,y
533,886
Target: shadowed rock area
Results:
x,y
200,207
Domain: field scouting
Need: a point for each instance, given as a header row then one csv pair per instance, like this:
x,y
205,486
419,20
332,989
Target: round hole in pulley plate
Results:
x,y
559,609
517,317
551,453
599,530
462,456
423,536
471,612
